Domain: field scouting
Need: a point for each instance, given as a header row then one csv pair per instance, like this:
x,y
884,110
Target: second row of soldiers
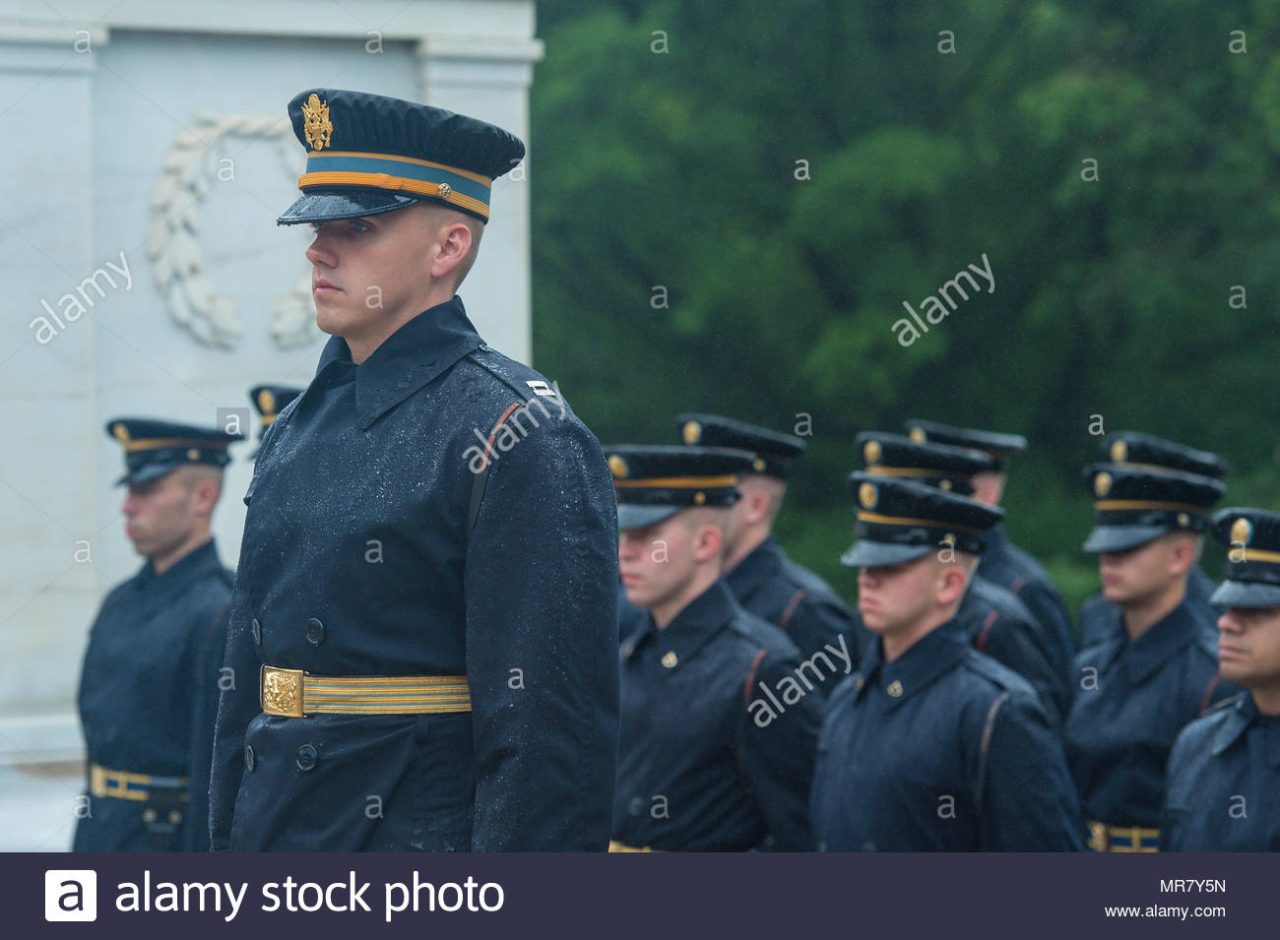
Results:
x,y
961,719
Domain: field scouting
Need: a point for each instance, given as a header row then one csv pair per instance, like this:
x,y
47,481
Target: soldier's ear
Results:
x,y
1184,554
952,584
453,250
205,495
709,542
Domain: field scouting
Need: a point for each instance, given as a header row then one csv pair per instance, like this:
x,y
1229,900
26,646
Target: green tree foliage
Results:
x,y
668,139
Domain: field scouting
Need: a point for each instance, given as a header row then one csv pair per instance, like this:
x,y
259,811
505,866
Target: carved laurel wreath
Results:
x,y
177,261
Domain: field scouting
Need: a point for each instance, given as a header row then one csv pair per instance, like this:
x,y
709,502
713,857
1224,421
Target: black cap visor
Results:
x,y
148,472
326,205
635,516
867,554
1122,538
1245,594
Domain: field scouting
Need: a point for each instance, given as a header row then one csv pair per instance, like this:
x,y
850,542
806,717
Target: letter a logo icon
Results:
x,y
70,894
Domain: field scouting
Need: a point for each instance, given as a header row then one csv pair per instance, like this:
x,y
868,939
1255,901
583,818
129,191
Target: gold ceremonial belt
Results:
x,y
124,785
1104,837
616,846
292,693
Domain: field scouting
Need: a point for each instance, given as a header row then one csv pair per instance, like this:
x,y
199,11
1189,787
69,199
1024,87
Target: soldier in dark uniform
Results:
x,y
1140,688
719,717
149,684
996,621
1224,773
931,745
1004,563
269,401
763,579
424,628
1099,619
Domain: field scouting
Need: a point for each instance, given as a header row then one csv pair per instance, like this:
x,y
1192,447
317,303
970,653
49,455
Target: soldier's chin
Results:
x,y
330,317
1115,593
1236,672
873,623
636,595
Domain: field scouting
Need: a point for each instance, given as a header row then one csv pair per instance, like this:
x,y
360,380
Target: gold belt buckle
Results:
x,y
1098,840
280,692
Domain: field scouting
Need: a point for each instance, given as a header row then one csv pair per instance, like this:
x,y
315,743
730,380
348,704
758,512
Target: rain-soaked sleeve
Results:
x,y
1029,802
237,706
778,759
204,711
542,644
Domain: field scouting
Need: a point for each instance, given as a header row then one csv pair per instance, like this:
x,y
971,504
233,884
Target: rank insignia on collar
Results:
x,y
318,129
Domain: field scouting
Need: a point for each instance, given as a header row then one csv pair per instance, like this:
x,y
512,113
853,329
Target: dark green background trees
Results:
x,y
677,170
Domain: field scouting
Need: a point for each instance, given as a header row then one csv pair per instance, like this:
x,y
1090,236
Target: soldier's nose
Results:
x,y
319,254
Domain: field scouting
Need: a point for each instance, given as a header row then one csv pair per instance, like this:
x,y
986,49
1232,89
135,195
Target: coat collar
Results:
x,y
190,566
1241,714
938,652
1169,636
408,359
761,565
704,617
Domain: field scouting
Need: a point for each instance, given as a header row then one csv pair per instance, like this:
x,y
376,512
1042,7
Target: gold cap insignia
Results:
x,y
617,466
758,465
868,496
193,454
670,659
871,452
1241,531
443,190
918,436
944,485
120,432
699,498
1119,452
1102,484
266,402
316,126
1183,520
691,433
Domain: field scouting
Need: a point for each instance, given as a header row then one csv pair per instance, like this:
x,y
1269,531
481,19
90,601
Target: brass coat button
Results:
x,y
306,757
